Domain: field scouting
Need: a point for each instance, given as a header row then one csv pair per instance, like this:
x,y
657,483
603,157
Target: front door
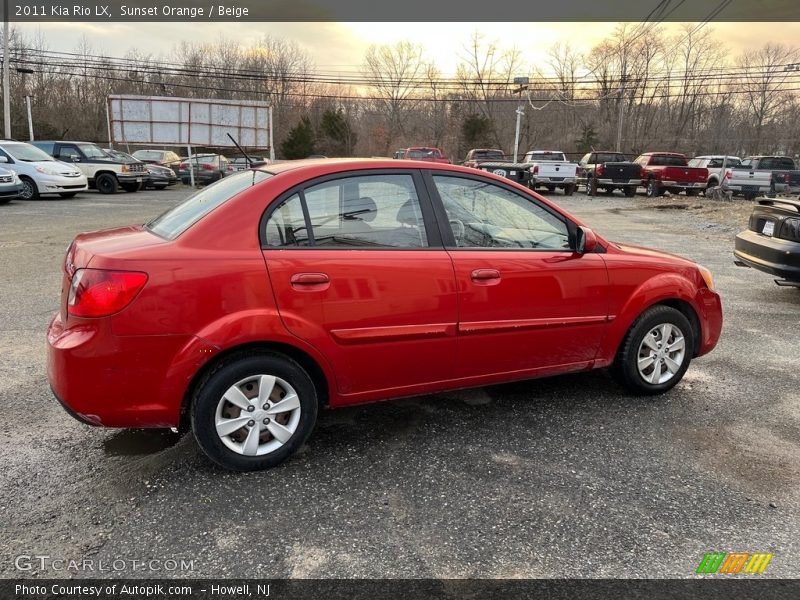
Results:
x,y
359,272
527,301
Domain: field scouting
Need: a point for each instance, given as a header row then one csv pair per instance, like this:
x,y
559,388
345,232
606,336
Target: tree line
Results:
x,y
665,90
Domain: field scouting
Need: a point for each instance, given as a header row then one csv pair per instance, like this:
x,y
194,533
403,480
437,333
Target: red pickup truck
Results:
x,y
426,154
662,171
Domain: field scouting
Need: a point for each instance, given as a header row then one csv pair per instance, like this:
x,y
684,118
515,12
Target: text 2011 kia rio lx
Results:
x,y
328,283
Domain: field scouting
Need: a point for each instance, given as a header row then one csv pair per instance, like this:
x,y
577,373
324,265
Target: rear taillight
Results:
x,y
642,173
207,167
535,170
728,174
99,293
790,230
182,166
577,171
599,170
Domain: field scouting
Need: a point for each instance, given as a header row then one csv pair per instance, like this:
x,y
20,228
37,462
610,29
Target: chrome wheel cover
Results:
x,y
661,354
257,415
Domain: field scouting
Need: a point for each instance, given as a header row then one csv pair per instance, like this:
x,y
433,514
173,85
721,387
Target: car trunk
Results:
x,y
685,174
769,215
621,171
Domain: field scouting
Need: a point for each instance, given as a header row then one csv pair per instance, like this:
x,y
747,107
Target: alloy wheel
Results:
x,y
661,353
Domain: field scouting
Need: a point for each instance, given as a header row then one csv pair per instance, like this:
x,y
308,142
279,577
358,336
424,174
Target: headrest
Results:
x,y
363,209
410,213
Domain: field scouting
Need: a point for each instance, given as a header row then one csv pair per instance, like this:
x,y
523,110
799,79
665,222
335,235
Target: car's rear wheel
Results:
x,y
656,351
29,189
591,188
106,184
570,189
254,412
630,191
653,189
693,192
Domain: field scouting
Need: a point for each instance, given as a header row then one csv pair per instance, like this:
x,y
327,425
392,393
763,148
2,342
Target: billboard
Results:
x,y
165,121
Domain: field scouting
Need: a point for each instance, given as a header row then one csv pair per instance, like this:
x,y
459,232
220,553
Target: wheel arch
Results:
x,y
305,360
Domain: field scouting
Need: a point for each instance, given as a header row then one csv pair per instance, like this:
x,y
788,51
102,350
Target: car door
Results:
x,y
358,271
527,301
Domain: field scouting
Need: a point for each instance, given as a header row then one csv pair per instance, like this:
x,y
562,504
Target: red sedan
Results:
x,y
282,289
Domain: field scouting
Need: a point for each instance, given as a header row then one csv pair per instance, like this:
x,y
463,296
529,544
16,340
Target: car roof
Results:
x,y
337,165
663,154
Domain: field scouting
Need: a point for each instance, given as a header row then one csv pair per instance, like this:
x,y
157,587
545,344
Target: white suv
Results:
x,y
39,172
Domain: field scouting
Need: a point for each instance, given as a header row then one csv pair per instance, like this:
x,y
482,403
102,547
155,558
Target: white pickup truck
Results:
x,y
551,169
734,177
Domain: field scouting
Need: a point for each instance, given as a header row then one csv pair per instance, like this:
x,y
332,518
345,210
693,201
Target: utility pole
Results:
x,y
621,114
522,82
26,71
6,82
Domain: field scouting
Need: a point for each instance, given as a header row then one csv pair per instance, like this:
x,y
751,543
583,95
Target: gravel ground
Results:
x,y
560,477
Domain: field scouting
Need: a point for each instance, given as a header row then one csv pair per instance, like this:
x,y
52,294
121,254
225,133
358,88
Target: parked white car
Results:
x,y
10,186
40,173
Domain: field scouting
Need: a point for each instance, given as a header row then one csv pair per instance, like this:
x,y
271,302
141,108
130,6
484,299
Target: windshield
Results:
x,y
148,154
175,221
27,153
92,151
489,154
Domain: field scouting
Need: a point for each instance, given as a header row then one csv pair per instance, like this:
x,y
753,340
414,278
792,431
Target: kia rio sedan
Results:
x,y
290,287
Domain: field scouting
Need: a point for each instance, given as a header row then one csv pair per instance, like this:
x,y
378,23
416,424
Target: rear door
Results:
x,y
359,271
526,300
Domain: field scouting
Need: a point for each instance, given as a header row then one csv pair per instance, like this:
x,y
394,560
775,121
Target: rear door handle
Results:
x,y
310,281
485,275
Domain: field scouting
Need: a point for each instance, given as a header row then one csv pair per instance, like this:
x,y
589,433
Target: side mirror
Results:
x,y
586,241
3,159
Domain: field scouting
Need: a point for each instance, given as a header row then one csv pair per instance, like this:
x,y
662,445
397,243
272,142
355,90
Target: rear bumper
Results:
x,y
9,190
777,257
119,381
684,185
619,183
559,181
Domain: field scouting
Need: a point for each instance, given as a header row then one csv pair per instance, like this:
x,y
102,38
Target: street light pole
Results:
x,y
522,82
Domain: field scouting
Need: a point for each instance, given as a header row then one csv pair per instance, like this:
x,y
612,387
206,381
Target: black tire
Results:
x,y
569,189
68,194
609,191
591,187
221,379
106,184
29,189
750,195
693,192
653,189
630,191
131,187
551,188
626,369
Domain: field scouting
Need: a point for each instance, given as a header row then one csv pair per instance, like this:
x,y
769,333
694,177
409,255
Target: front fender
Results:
x,y
655,290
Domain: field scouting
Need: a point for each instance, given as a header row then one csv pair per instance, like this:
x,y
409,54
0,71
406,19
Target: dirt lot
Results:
x,y
562,477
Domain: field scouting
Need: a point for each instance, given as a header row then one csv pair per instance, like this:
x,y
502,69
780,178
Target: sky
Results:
x,y
341,46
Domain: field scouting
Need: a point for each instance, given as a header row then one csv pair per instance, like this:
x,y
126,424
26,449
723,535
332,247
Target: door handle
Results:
x,y
310,282
309,279
485,275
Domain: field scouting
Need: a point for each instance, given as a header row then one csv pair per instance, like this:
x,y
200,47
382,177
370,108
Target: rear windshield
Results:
x,y
422,153
607,157
541,156
175,221
667,160
148,154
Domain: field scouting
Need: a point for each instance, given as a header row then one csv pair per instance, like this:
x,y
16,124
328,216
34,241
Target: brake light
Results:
x,y
207,167
535,170
642,173
99,293
599,170
728,174
182,166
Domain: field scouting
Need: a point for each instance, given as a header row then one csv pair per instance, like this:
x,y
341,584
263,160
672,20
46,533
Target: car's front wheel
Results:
x,y
656,351
255,411
107,184
29,189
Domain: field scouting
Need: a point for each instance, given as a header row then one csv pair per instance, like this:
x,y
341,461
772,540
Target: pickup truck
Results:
x,y
609,171
427,154
103,171
669,171
783,170
479,155
551,169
